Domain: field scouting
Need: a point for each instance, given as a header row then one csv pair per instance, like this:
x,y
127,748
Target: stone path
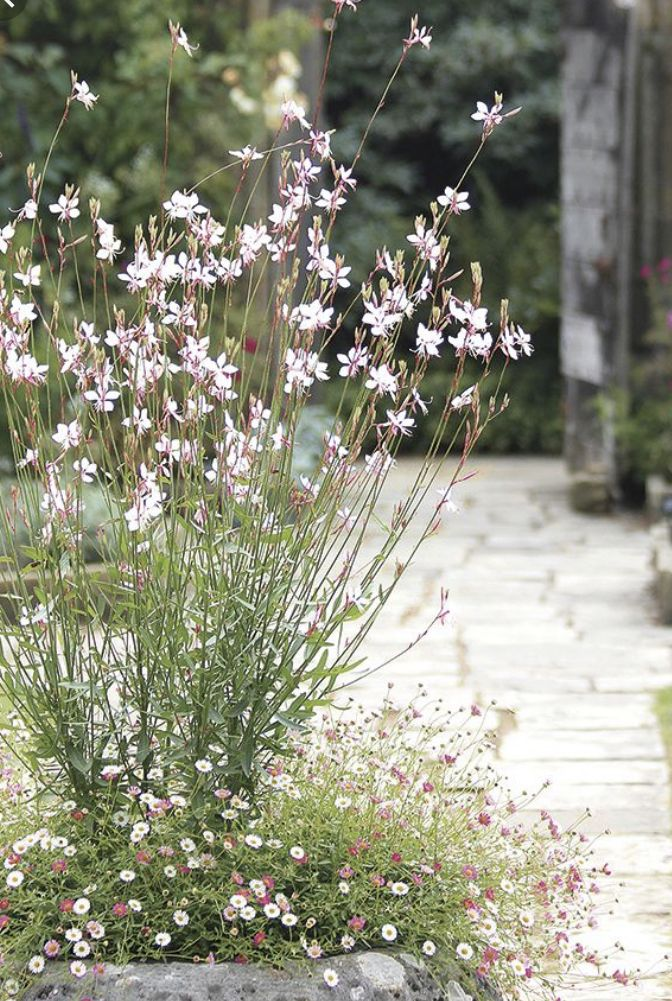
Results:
x,y
552,617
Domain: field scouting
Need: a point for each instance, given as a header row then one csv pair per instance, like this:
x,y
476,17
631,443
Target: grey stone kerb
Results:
x,y
371,976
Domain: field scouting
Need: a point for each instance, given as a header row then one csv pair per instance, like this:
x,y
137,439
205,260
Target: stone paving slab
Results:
x,y
552,615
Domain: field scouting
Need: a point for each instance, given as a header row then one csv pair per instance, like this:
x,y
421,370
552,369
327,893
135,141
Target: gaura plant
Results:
x,y
232,596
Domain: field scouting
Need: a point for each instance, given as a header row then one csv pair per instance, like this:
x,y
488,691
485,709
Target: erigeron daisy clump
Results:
x,y
439,860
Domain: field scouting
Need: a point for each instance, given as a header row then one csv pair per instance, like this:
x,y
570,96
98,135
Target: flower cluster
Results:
x,y
408,839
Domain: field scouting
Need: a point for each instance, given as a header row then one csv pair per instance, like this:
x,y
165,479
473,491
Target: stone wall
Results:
x,y
367,976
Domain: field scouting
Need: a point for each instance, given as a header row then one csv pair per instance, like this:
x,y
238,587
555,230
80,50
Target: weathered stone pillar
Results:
x,y
597,166
654,136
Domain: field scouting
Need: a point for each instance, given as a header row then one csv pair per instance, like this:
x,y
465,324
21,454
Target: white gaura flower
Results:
x,y
87,471
66,207
492,116
246,155
428,342
82,92
399,423
182,205
28,211
110,246
465,399
418,36
179,37
6,236
454,201
68,435
29,278
515,342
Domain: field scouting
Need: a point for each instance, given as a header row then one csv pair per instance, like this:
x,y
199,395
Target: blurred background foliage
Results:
x,y
227,95
423,141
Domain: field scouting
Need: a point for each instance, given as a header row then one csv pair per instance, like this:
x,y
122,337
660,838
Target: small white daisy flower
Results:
x,y
162,939
126,875
389,933
81,906
464,951
330,978
399,889
36,964
181,919
428,948
78,969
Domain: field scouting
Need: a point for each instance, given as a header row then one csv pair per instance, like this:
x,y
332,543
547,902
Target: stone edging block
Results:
x,y
370,976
